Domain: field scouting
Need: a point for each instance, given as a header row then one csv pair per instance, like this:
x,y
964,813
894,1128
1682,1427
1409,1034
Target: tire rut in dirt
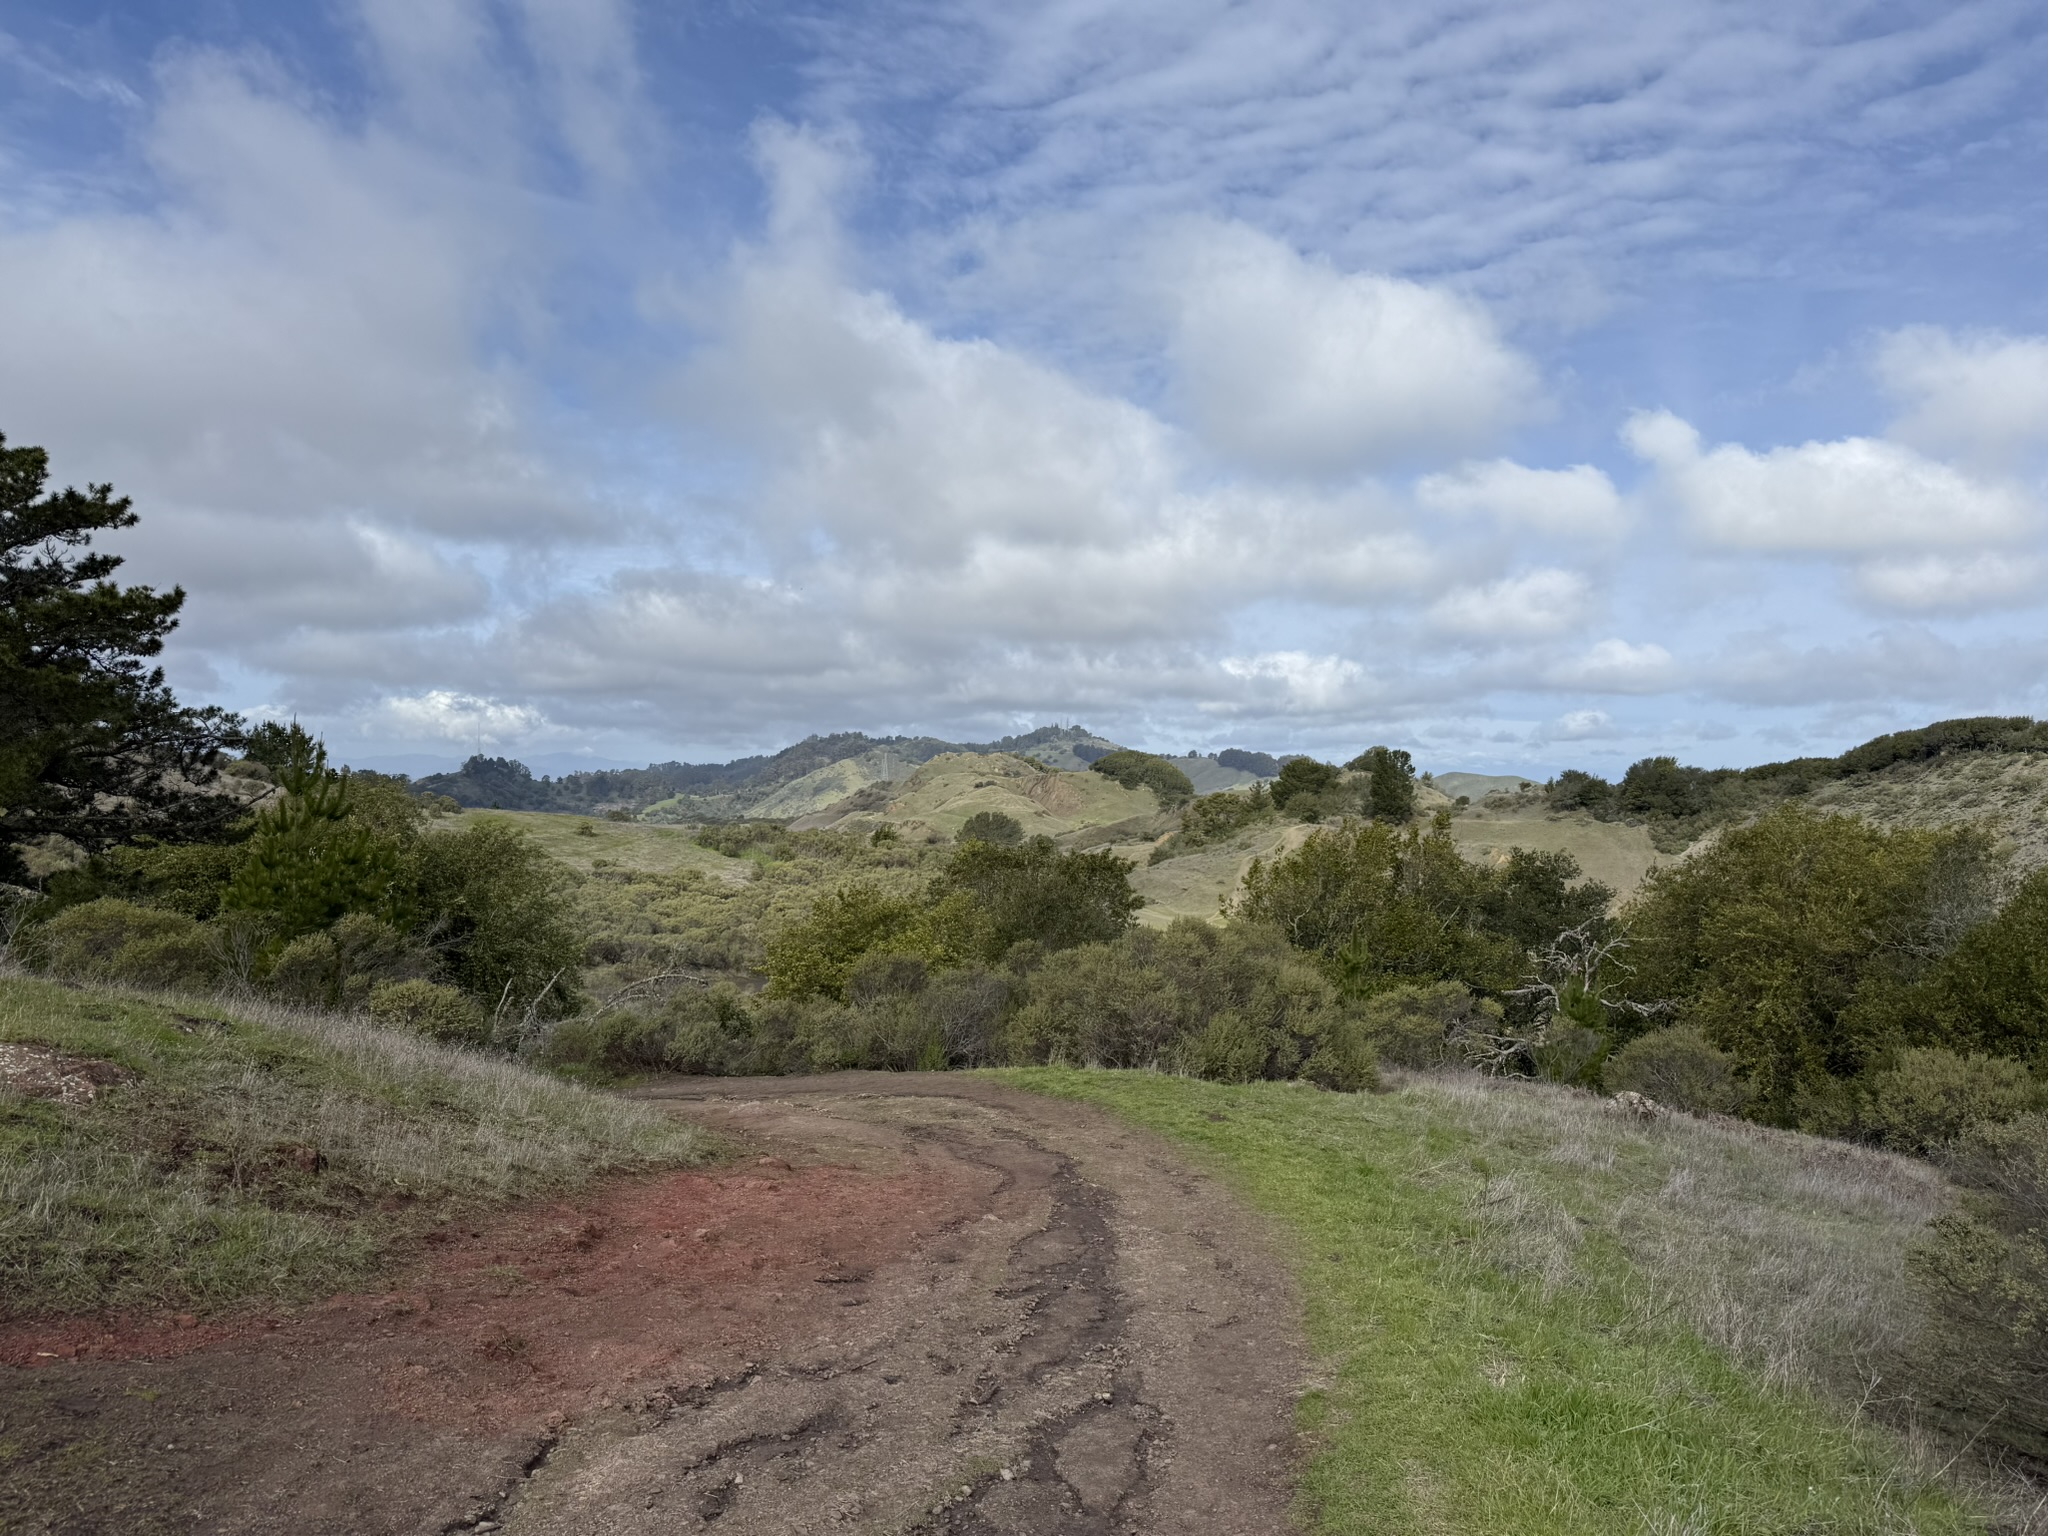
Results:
x,y
994,1395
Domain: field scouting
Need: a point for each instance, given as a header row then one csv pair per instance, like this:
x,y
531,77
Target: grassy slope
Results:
x,y
624,844
267,1154
1532,1316
1195,884
1608,851
943,793
2006,791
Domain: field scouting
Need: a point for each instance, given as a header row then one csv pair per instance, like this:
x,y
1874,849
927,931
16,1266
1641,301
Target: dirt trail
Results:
x,y
920,1303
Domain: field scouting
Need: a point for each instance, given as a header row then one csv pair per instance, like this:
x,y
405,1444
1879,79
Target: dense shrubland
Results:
x,y
334,893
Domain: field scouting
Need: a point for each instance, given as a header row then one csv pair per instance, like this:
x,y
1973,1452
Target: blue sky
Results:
x,y
1530,385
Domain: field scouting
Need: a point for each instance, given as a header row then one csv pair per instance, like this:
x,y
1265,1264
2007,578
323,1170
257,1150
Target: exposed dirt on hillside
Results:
x,y
916,1304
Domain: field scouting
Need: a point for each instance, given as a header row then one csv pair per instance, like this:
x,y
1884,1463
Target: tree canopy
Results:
x,y
94,747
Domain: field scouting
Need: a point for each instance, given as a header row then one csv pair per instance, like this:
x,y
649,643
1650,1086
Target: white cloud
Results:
x,y
1288,364
1859,493
1296,682
1578,725
1547,601
1576,502
1617,666
918,487
1930,583
1548,151
442,715
1981,395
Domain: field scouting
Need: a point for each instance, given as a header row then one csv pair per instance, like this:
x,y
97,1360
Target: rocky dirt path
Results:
x,y
918,1303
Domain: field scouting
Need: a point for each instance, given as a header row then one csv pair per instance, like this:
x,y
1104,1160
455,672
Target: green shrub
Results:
x,y
988,898
427,1008
621,1043
1383,907
736,839
1234,1003
1927,1098
1991,993
181,877
499,912
1791,941
1574,790
339,967
1103,1005
1228,1049
1423,1027
1983,1272
1217,818
991,827
1141,770
1679,1067
814,956
121,941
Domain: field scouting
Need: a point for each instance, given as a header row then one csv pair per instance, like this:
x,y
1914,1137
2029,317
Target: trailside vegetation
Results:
x,y
248,1151
334,888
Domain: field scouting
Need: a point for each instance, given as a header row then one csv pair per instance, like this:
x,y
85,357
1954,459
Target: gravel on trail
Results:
x,y
916,1303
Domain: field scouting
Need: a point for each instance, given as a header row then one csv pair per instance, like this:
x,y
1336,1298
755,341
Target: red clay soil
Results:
x,y
528,1368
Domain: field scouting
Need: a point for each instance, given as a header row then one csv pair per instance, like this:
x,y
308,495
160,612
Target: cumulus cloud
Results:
x,y
1547,601
1858,493
442,715
1576,502
1982,395
1578,725
1294,682
1291,365
1616,666
923,488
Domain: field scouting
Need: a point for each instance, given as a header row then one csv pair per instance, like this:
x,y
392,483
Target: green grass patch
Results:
x,y
1497,1350
259,1153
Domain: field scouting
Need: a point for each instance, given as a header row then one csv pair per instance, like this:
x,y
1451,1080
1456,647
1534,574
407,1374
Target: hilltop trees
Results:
x,y
1141,770
1305,784
94,747
1389,783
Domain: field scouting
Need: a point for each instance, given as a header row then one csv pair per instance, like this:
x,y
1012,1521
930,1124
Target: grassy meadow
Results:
x,y
1531,1314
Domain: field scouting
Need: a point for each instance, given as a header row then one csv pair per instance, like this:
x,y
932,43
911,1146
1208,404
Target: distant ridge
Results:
x,y
724,791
